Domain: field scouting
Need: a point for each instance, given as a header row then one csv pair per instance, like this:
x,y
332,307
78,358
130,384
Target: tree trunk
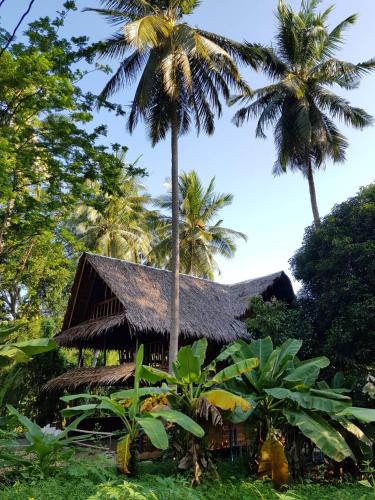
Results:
x,y
6,222
175,289
314,204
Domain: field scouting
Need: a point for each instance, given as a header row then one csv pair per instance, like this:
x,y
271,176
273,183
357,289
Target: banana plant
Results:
x,y
200,394
44,444
287,392
12,351
142,410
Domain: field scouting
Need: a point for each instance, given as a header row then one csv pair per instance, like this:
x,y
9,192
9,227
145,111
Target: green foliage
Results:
x,y
136,417
96,480
47,151
286,390
276,320
202,236
199,397
336,264
14,352
26,392
117,223
44,446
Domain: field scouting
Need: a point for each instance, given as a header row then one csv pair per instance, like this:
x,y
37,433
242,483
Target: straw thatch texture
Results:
x,y
208,309
91,377
88,332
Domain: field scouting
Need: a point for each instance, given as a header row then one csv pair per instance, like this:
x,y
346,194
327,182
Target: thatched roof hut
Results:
x,y
116,305
208,309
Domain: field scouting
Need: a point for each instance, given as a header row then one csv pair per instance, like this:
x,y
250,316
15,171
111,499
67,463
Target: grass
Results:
x,y
93,480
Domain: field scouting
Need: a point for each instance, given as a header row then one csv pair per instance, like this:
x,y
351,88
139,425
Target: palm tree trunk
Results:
x,y
314,204
175,289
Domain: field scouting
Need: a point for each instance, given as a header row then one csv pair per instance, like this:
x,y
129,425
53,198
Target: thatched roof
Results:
x,y
208,309
91,377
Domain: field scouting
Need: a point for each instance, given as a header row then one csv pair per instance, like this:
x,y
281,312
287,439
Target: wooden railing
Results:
x,y
105,308
156,354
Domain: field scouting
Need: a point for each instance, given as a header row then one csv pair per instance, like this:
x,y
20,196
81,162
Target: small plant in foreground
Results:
x,y
45,446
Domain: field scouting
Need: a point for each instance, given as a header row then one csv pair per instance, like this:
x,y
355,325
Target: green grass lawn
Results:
x,y
157,481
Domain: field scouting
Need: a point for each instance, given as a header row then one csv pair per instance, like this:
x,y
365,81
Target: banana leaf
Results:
x,y
199,349
326,437
142,391
229,351
262,349
355,430
226,400
123,454
234,370
187,367
308,371
154,429
154,375
366,415
277,361
308,401
180,419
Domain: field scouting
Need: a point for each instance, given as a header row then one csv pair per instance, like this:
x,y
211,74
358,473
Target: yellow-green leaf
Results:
x,y
123,454
226,400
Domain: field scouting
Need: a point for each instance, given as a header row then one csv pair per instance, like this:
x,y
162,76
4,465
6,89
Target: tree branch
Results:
x,y
11,38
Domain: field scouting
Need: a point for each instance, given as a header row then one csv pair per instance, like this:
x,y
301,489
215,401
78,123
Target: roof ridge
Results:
x,y
227,285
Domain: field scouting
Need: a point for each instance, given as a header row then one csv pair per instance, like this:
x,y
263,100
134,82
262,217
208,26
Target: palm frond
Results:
x,y
126,73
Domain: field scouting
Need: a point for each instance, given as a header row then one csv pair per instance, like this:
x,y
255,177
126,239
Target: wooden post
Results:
x,y
80,359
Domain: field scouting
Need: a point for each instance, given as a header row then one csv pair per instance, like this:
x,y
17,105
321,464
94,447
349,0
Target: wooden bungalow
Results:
x,y
116,306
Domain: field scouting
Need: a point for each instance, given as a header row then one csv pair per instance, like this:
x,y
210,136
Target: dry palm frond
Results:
x,y
208,411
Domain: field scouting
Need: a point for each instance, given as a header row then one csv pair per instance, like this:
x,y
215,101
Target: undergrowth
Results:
x,y
97,479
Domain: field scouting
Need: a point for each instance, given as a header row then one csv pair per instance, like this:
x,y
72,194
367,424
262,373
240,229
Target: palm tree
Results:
x,y
299,102
202,236
182,72
122,226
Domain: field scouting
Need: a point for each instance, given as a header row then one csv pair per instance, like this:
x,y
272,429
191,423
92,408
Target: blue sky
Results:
x,y
273,212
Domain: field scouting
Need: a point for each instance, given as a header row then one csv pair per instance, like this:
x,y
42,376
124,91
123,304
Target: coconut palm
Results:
x,y
202,236
122,227
300,104
182,72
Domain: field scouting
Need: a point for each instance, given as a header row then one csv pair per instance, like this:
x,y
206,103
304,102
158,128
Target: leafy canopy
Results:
x,y
336,265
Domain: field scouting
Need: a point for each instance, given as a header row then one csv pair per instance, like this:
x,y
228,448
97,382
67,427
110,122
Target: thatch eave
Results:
x,y
91,377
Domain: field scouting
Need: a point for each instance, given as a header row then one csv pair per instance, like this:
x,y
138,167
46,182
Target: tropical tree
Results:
x,y
120,225
336,266
299,103
139,417
202,236
46,154
183,72
286,393
200,395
